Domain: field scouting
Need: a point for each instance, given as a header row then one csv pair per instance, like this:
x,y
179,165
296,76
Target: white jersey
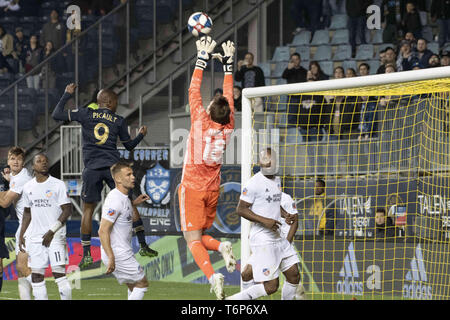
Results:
x,y
265,196
45,200
16,185
288,204
118,209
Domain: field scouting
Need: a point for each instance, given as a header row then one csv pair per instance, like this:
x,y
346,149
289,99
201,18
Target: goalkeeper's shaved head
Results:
x,y
106,98
219,110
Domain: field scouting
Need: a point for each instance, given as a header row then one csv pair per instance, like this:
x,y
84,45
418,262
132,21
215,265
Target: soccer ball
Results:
x,y
199,24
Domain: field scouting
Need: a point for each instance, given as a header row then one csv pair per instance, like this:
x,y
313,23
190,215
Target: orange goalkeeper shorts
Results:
x,y
197,208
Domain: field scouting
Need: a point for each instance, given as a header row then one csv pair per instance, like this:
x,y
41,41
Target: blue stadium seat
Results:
x,y
340,36
279,68
303,38
433,46
304,52
349,64
327,67
305,64
9,23
427,33
281,81
364,52
6,111
266,68
5,80
377,37
382,47
374,65
281,54
338,21
320,37
29,25
26,95
27,116
343,52
7,97
323,52
6,132
52,100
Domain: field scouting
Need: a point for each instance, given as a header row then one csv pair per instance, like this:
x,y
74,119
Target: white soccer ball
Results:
x,y
199,24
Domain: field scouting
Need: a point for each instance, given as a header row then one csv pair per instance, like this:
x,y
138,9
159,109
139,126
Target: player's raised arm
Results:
x,y
205,46
59,113
124,136
7,198
227,60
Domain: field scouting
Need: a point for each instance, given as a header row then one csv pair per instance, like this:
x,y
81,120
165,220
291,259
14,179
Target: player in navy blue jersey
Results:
x,y
101,128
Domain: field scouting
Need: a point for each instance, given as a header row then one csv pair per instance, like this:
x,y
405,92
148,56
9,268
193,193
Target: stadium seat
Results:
x,y
349,64
340,36
327,67
433,46
304,52
5,80
9,23
427,33
47,7
279,68
374,65
377,37
323,52
364,52
343,52
281,54
7,97
305,64
266,68
27,116
382,47
29,25
281,81
320,37
26,95
6,132
338,21
6,111
164,11
303,38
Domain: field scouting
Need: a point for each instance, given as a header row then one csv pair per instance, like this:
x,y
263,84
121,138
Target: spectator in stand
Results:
x,y
32,59
53,31
390,31
423,53
364,69
406,57
390,57
10,7
294,72
356,12
337,7
6,50
317,72
384,228
440,11
350,73
250,76
409,36
306,14
20,48
338,73
390,67
411,20
326,223
434,61
55,65
237,97
445,59
369,124
345,117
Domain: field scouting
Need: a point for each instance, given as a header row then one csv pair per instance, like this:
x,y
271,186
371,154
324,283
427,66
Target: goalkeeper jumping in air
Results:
x,y
199,190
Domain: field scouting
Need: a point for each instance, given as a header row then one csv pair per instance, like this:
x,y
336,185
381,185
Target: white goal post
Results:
x,y
285,89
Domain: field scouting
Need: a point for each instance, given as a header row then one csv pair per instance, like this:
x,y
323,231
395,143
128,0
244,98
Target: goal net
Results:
x,y
367,160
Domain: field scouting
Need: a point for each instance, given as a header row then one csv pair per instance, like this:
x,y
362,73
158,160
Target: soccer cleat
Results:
x,y
217,286
300,292
146,251
227,254
85,262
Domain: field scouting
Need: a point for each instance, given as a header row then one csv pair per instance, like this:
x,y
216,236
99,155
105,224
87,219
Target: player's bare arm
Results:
x,y
141,199
104,233
293,228
66,213
26,219
7,198
243,210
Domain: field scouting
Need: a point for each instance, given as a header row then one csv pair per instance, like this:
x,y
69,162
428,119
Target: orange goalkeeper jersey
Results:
x,y
207,139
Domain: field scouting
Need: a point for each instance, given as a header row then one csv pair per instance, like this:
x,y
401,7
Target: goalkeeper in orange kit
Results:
x,y
199,190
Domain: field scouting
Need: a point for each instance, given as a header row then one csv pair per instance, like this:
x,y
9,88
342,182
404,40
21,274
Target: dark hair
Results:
x,y
220,110
296,54
253,56
16,151
39,154
389,48
115,168
218,90
237,87
364,64
353,70
381,210
322,182
338,67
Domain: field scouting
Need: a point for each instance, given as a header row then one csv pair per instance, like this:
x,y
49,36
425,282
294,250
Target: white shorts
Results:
x,y
127,270
268,260
40,255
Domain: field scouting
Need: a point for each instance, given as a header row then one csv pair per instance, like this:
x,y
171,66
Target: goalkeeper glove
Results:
x,y
205,46
227,58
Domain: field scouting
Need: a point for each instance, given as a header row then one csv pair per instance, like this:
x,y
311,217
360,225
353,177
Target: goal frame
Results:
x,y
295,88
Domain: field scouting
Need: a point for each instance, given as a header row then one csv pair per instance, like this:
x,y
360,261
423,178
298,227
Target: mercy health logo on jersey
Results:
x,y
350,283
156,183
416,286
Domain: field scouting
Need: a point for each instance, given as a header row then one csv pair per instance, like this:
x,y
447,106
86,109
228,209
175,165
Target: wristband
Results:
x,y
201,63
58,224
